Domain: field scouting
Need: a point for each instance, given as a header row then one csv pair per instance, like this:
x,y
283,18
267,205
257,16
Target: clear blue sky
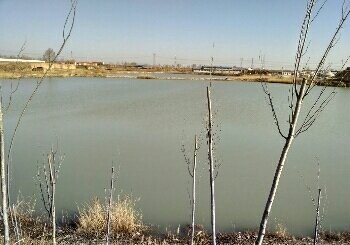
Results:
x,y
132,30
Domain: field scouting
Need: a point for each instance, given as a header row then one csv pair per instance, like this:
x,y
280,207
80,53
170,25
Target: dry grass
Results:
x,y
125,219
340,237
14,67
281,231
266,78
33,229
28,222
145,77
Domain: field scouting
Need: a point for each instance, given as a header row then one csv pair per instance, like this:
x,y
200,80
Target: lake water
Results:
x,y
140,125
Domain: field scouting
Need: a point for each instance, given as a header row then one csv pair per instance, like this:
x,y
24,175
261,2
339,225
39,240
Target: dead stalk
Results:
x,y
47,179
191,167
194,187
110,202
317,222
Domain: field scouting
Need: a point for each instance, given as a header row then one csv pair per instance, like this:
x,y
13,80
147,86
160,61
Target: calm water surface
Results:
x,y
140,125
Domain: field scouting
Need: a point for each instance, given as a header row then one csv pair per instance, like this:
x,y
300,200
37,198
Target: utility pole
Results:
x,y
263,62
175,61
252,64
154,59
212,61
241,59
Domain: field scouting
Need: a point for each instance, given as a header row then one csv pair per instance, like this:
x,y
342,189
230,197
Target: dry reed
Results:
x,y
125,219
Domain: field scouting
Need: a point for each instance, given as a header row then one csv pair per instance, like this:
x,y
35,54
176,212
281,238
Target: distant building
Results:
x,y
218,70
287,73
90,63
34,65
2,60
39,65
307,73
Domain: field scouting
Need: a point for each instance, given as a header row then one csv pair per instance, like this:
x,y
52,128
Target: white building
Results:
x,y
21,60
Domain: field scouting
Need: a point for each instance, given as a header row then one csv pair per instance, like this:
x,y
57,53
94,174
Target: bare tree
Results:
x,y
5,167
3,183
297,95
211,166
47,179
66,33
191,167
6,106
49,55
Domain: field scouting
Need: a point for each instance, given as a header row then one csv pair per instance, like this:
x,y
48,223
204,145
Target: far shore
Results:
x,y
149,74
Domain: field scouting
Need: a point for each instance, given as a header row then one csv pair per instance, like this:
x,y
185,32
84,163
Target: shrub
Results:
x,y
125,219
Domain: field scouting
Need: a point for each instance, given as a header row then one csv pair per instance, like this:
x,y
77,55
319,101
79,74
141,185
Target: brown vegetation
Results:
x,y
128,228
14,67
125,219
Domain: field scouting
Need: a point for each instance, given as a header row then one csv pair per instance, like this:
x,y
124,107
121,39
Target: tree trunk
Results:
x,y
109,207
53,189
53,208
280,165
194,187
317,223
4,183
211,169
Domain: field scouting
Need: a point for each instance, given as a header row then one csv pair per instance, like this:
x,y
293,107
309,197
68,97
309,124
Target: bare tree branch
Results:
x,y
344,63
187,160
274,114
308,188
13,90
319,10
312,114
301,44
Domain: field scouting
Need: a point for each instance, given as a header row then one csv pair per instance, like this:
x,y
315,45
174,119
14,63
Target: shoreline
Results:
x,y
89,224
152,75
69,235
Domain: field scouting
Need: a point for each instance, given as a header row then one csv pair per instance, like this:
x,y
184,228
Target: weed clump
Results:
x,y
125,219
281,231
